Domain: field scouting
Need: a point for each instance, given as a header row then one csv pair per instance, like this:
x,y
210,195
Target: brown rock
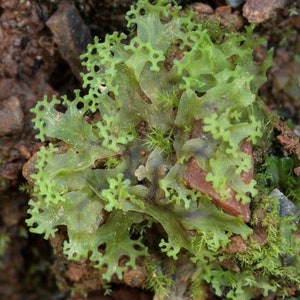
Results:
x,y
10,171
223,11
24,152
29,168
237,245
260,235
260,55
194,178
288,139
76,271
70,34
202,8
247,148
11,116
135,277
257,11
230,265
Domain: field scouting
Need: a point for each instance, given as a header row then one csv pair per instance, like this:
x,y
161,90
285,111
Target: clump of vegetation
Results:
x,y
115,158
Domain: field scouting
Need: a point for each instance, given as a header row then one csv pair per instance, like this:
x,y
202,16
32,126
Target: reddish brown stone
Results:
x,y
230,265
260,235
76,271
202,8
288,139
10,171
223,11
237,245
247,148
194,178
29,169
135,277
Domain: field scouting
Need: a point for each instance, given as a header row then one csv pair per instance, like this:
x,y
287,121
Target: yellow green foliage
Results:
x,y
115,156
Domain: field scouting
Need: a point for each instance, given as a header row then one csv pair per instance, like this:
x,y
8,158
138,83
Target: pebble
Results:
x,y
257,11
70,34
29,169
286,206
202,8
11,116
195,178
235,3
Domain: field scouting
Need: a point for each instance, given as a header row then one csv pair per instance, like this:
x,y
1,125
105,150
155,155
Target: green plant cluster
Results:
x,y
114,157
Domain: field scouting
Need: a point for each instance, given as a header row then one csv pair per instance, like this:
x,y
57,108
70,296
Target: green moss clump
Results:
x,y
115,156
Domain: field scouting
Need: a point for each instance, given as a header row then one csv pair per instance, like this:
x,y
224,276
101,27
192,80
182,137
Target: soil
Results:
x,y
40,42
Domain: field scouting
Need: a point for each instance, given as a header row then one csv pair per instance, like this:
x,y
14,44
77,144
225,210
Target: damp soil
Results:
x,y
40,42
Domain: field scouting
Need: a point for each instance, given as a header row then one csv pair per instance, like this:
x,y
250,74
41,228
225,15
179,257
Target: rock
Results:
x,y
29,168
202,8
235,3
194,178
237,245
257,11
11,116
10,171
70,34
135,277
289,141
286,206
229,19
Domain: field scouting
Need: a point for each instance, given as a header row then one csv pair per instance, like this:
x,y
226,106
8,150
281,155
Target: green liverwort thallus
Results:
x,y
143,98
